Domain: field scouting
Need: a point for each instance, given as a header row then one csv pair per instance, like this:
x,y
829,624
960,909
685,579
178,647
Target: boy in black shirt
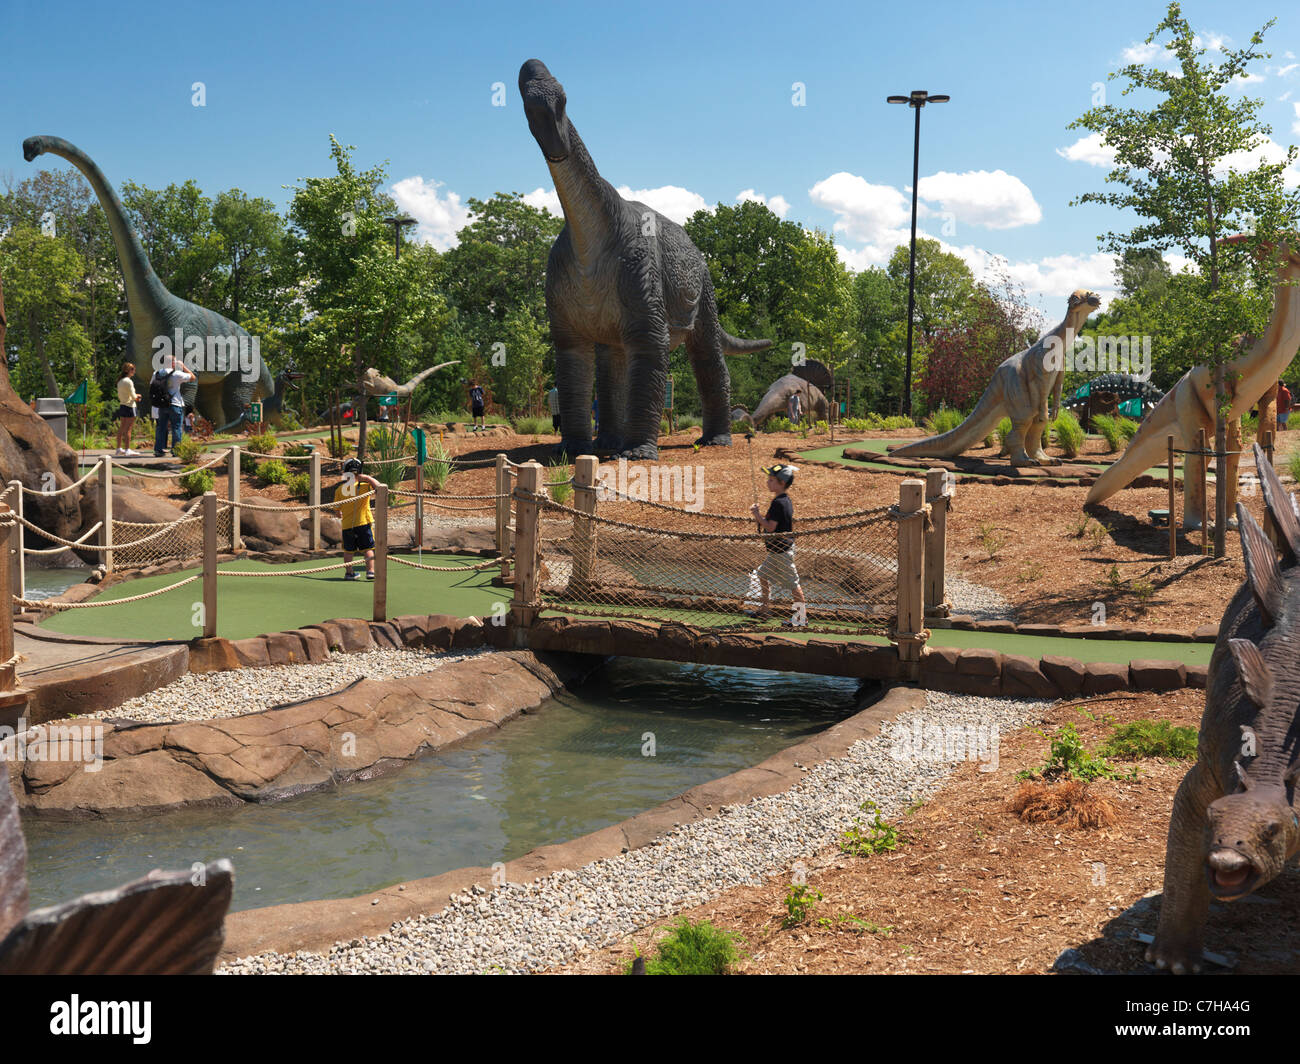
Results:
x,y
778,567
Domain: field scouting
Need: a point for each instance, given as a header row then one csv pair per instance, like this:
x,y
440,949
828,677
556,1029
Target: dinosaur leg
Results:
x,y
574,368
704,347
1186,900
1034,442
1017,443
647,360
236,394
611,395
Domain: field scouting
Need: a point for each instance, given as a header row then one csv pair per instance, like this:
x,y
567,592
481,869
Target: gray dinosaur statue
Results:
x,y
624,286
225,359
809,381
375,383
1020,389
1236,816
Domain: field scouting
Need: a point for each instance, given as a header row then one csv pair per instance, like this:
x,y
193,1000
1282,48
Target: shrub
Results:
x,y
1003,434
1110,431
437,467
778,424
800,900
298,450
1070,802
1067,756
693,949
389,442
272,471
533,426
689,421
557,482
1128,428
188,450
298,483
1150,738
943,420
872,422
876,837
197,482
337,451
1293,465
1069,434
265,443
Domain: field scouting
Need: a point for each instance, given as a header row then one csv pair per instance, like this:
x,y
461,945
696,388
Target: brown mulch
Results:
x,y
975,889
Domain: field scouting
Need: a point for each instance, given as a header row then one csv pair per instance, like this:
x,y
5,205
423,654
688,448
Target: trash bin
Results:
x,y
55,413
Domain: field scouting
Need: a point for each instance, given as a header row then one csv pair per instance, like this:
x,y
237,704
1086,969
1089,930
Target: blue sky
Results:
x,y
685,104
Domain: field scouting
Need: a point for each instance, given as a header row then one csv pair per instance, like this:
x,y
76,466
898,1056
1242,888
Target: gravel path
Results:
x,y
533,927
982,603
209,696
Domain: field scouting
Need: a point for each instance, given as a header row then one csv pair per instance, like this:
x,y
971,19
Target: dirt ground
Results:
x,y
1032,543
973,889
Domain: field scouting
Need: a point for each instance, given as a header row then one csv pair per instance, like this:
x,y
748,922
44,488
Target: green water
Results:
x,y
46,583
575,766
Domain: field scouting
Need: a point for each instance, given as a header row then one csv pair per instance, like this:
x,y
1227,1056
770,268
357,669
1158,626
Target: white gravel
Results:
x,y
533,927
982,603
212,695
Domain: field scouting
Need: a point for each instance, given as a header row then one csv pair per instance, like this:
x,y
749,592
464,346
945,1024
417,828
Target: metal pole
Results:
x,y
911,271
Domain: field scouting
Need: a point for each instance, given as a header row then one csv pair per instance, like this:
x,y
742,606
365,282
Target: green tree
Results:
x,y
175,227
1180,160
251,231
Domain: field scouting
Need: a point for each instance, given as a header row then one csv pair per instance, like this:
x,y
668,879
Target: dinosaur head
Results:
x,y
1251,834
544,103
32,147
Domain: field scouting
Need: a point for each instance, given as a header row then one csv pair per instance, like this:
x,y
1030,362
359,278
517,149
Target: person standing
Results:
x,y
352,501
127,406
795,407
778,567
553,400
1284,400
168,406
476,407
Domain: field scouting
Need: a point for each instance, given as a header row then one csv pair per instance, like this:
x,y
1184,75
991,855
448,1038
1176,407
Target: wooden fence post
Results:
x,y
232,496
18,578
1203,487
585,471
313,497
1173,502
13,699
381,553
106,509
910,632
503,515
209,564
527,544
938,493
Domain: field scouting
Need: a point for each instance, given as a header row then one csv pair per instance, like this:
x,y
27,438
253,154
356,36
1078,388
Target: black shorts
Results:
x,y
125,411
360,538
477,411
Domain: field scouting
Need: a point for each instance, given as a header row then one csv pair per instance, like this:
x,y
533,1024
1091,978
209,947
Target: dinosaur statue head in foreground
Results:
x,y
544,104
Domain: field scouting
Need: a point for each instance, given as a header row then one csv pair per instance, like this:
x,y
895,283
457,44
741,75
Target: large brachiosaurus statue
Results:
x,y
624,286
1020,389
220,393
1188,406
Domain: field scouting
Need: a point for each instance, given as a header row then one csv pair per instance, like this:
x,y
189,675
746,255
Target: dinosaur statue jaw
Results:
x,y
32,147
1233,877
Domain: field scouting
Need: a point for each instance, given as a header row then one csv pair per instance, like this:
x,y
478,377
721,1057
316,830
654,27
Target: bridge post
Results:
x,y
528,528
910,632
313,497
18,579
938,493
503,515
106,509
381,553
13,699
209,564
232,496
584,532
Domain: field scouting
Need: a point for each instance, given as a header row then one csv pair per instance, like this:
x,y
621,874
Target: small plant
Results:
x,y
533,426
298,450
800,900
1099,533
1031,573
1128,428
1293,465
1080,527
991,539
875,837
1113,580
688,421
943,420
1068,757
1069,434
1004,434
1109,429
188,450
1144,590
884,931
298,483
339,449
1142,739
262,444
778,424
557,482
692,949
272,471
437,467
1070,802
197,482
877,423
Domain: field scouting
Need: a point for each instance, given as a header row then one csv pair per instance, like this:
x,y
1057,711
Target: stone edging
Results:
x,y
1206,633
316,925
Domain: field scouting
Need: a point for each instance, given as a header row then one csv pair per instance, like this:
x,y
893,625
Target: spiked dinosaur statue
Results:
x,y
1189,405
1020,389
1236,816
624,286
224,358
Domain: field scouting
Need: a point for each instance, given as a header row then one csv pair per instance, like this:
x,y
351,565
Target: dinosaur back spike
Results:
x,y
1254,672
1262,571
1280,505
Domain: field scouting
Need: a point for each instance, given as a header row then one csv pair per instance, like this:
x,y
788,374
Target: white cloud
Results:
x,y
871,214
671,201
1295,126
1089,150
440,217
1267,151
544,197
1048,282
778,205
1140,52
1283,71
994,199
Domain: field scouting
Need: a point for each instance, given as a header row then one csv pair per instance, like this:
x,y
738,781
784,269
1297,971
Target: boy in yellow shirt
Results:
x,y
353,505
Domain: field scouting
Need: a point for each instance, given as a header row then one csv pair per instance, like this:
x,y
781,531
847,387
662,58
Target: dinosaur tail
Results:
x,y
733,345
983,420
1148,446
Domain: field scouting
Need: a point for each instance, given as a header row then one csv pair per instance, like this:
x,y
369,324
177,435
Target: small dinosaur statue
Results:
x,y
220,394
1236,816
624,286
775,402
1189,405
375,383
1020,389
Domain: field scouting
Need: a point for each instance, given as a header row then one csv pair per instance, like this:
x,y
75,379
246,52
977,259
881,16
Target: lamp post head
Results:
x,y
918,98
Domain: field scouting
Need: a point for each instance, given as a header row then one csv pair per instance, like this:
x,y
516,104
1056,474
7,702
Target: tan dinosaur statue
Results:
x,y
375,383
1188,406
1020,389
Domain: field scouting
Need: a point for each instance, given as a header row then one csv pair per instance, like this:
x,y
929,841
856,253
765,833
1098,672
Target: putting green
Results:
x,y
248,606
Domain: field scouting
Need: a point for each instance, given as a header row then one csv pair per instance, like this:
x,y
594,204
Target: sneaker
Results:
x,y
119,453
370,576
132,454
348,574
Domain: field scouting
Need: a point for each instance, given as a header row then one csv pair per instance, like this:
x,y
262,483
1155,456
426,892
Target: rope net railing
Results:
x,y
136,544
704,571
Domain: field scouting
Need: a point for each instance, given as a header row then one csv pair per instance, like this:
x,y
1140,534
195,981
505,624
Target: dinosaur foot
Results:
x,y
646,450
572,448
718,439
1178,954
607,441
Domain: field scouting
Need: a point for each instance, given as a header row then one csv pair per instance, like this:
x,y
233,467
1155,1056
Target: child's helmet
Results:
x,y
352,465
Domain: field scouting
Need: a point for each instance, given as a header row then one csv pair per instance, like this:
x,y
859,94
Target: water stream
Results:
x,y
577,765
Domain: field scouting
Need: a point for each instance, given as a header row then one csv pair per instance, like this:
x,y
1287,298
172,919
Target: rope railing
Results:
x,y
52,604
445,568
61,491
59,550
224,456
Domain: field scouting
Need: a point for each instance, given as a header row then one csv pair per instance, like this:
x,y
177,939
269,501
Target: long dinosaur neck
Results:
x,y
1273,351
587,198
145,293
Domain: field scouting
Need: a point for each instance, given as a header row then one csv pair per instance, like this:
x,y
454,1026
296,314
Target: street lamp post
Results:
x,y
918,99
397,224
